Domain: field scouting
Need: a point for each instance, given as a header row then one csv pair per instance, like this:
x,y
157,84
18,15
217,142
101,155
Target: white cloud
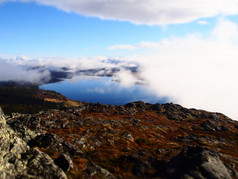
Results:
x,y
126,78
135,46
197,72
37,71
203,22
96,90
145,11
122,47
13,72
55,63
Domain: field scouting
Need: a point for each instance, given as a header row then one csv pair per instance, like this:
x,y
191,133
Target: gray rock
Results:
x,y
93,169
18,160
210,125
40,164
214,168
197,162
127,135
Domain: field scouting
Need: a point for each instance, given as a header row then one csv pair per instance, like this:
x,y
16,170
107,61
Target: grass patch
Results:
x,y
91,152
109,162
143,141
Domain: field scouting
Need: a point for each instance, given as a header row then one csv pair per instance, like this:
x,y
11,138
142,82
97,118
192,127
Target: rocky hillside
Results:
x,y
137,140
19,160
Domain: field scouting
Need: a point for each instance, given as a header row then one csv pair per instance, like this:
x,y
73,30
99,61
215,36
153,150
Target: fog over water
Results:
x,y
103,90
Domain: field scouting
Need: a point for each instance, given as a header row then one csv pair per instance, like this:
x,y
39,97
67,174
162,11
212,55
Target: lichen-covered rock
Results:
x,y
18,160
40,164
92,170
2,118
197,162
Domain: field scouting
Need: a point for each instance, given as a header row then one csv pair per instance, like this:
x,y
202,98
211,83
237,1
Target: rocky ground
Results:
x,y
137,140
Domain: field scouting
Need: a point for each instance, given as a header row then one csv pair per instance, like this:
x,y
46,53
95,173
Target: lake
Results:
x,y
103,90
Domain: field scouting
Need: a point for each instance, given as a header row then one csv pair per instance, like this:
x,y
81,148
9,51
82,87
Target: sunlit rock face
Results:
x,y
18,160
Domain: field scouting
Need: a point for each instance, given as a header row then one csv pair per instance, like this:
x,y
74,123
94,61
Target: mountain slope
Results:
x,y
30,99
133,141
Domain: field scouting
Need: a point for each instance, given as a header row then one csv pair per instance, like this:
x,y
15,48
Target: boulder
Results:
x,y
18,160
210,125
197,162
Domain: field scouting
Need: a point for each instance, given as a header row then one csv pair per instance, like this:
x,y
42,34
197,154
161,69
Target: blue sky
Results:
x,y
187,50
38,30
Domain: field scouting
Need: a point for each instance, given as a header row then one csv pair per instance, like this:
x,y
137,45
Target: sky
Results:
x,y
186,50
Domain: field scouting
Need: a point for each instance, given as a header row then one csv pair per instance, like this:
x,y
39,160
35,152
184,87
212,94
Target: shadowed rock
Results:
x,y
64,162
197,162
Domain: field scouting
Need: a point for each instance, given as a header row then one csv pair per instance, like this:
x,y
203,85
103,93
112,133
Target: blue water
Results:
x,y
103,90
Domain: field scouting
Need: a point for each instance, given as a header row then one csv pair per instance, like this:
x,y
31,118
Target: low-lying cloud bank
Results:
x,y
20,74
197,71
159,12
44,70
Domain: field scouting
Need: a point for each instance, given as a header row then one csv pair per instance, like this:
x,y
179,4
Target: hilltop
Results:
x,y
28,98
